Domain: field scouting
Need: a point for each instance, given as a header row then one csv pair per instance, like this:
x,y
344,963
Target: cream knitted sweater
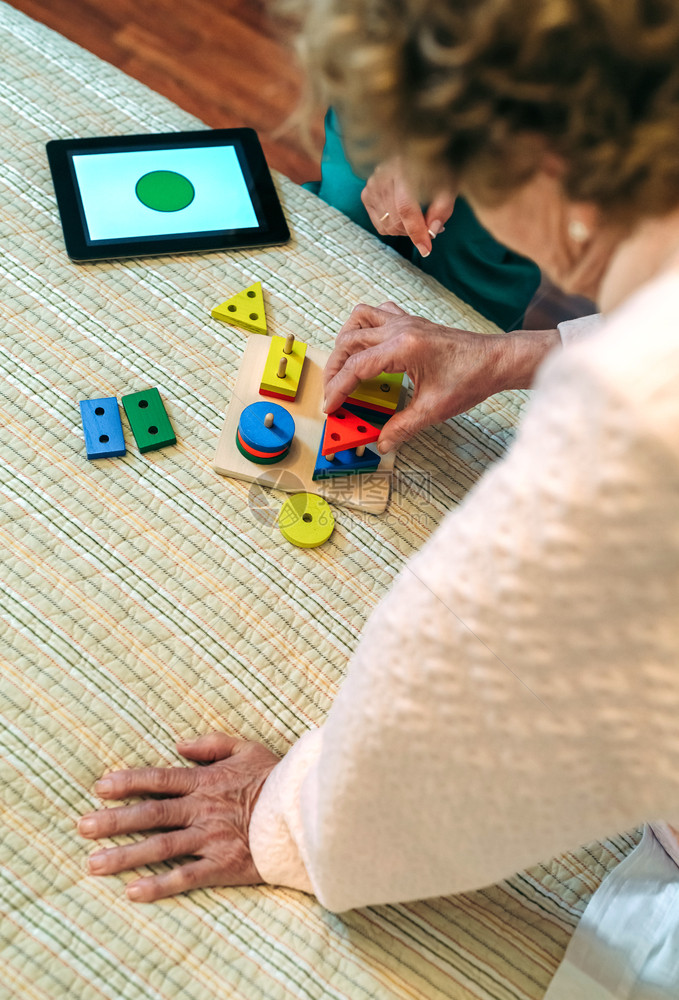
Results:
x,y
517,691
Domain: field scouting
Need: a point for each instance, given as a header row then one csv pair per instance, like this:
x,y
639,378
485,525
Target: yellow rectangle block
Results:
x,y
382,392
275,390
295,361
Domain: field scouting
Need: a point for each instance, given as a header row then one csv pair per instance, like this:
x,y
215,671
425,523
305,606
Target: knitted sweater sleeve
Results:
x,y
516,692
572,331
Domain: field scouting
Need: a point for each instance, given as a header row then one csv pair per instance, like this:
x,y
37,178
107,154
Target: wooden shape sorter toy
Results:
x,y
243,436
246,310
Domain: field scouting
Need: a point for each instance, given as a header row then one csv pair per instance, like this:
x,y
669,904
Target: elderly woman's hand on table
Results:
x,y
205,812
451,370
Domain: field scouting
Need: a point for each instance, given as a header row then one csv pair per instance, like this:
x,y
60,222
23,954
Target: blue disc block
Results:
x,y
103,429
345,463
256,435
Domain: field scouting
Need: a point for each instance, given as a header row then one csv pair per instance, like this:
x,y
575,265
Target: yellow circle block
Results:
x,y
306,520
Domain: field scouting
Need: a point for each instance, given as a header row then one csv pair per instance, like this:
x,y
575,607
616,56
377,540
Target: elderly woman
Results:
x,y
516,693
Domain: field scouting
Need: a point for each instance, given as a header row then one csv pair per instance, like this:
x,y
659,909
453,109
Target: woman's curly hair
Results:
x,y
481,88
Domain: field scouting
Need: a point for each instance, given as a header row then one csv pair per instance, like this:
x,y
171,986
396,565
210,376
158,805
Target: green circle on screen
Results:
x,y
165,191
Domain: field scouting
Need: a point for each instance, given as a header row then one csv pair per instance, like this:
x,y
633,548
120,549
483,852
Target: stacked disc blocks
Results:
x,y
262,444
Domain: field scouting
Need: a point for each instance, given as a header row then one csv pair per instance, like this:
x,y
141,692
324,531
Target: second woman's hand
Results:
x,y
394,210
451,370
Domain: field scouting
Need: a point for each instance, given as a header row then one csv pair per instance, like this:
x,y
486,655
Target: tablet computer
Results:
x,y
179,192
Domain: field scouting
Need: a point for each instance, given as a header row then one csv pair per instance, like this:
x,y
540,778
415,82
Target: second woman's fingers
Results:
x,y
378,199
414,224
439,211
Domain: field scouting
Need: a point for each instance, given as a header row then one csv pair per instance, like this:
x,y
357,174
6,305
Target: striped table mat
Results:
x,y
145,598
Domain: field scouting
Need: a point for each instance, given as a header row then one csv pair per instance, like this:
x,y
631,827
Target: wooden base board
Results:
x,y
369,492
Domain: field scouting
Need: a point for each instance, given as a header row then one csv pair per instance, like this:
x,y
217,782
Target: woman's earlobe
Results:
x,y
579,231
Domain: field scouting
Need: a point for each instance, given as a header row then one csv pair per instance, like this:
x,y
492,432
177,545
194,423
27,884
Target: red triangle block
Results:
x,y
344,430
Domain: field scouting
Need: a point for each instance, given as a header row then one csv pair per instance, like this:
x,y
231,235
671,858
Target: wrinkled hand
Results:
x,y
206,811
387,192
451,370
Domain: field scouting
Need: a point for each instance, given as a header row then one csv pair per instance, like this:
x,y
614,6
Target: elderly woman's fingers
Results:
x,y
183,878
210,821
151,850
154,814
367,327
146,781
364,365
369,319
392,308
211,747
350,344
404,425
363,316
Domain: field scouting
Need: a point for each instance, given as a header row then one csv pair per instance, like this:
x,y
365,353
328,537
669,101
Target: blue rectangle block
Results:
x,y
103,429
345,463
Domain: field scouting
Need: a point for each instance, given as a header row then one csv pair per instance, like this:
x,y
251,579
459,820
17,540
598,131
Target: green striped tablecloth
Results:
x,y
144,598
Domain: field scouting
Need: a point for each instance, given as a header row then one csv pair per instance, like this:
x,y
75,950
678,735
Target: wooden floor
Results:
x,y
225,61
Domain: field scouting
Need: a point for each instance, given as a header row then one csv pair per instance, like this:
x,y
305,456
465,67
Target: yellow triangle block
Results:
x,y
246,310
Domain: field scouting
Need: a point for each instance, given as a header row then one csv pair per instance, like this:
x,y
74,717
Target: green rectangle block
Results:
x,y
149,420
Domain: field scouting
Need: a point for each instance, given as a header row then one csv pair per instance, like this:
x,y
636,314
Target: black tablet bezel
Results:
x,y
272,230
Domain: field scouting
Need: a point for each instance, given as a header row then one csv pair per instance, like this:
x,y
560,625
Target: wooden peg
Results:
x,y
268,420
289,341
330,458
360,451
282,365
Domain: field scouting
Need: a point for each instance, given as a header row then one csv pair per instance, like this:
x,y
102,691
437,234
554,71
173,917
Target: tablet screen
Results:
x,y
163,191
131,195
